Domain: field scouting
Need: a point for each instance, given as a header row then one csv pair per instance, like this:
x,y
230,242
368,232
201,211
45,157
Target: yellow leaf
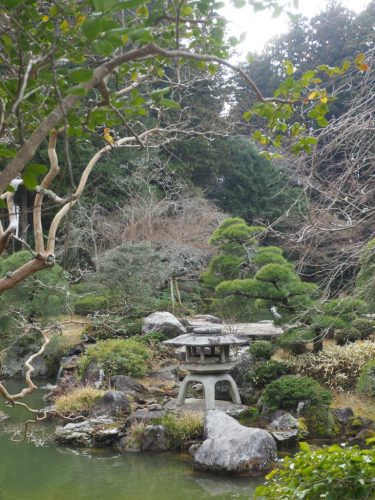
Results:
x,y
324,100
45,19
359,58
313,95
64,25
80,19
142,11
124,38
363,67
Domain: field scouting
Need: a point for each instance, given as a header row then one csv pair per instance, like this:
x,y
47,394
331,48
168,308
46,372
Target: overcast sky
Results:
x,y
260,27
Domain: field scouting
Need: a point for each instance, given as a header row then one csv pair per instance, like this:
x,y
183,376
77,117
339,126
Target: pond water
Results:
x,y
39,470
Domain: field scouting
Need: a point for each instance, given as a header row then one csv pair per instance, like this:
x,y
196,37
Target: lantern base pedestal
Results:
x,y
209,382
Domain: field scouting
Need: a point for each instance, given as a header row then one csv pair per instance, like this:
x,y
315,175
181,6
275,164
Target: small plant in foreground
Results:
x,y
261,349
118,357
334,472
80,400
286,392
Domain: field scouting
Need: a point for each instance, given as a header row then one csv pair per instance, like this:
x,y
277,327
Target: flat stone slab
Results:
x,y
264,329
198,406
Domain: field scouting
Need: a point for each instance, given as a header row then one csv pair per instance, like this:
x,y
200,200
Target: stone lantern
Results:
x,y
208,361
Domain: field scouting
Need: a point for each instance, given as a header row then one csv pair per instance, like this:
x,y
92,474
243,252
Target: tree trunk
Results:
x,y
38,263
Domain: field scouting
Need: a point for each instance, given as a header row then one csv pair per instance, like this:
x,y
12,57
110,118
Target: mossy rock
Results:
x,y
303,431
321,422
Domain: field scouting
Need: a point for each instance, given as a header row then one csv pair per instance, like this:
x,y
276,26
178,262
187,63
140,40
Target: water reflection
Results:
x,y
30,472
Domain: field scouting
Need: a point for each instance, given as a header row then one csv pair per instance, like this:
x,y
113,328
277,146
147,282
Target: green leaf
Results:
x,y
36,169
81,75
169,103
92,28
3,203
29,175
142,35
29,181
103,47
98,117
142,11
304,446
247,115
157,94
289,68
212,69
6,152
322,122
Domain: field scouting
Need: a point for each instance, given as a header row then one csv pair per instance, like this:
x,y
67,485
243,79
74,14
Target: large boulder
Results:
x,y
163,322
94,433
154,438
230,447
129,386
113,404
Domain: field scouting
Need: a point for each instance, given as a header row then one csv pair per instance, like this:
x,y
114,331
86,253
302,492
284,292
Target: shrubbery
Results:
x,y
112,327
261,349
118,357
286,392
330,472
337,367
343,337
295,340
366,380
91,304
266,372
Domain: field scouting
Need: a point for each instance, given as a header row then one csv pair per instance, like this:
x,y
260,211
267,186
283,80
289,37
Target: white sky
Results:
x,y
261,27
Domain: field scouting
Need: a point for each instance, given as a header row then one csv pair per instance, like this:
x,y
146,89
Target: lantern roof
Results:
x,y
192,340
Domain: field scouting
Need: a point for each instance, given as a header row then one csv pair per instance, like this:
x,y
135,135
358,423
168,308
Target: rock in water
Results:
x,y
93,433
230,447
163,322
154,438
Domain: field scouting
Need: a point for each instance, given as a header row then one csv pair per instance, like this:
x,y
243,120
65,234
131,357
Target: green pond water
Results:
x,y
39,470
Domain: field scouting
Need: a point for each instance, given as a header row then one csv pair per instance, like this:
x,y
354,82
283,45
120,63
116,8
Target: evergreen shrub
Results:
x,y
261,349
343,337
266,372
286,392
366,380
91,304
118,357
